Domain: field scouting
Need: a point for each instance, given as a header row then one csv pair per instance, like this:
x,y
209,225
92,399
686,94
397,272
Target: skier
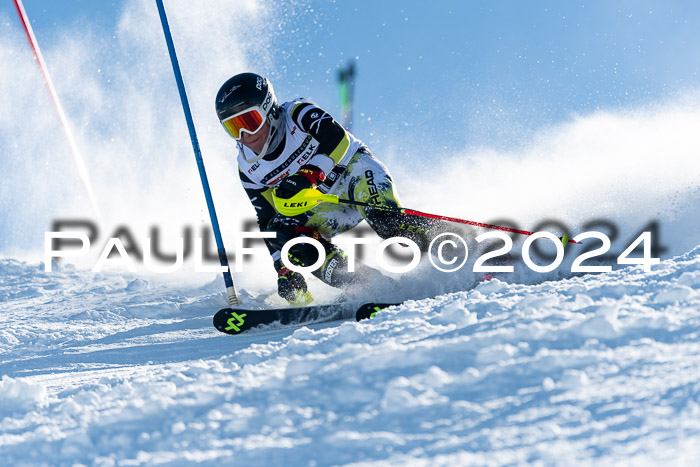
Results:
x,y
296,145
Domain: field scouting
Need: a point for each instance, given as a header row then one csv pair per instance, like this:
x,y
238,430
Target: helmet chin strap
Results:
x,y
263,151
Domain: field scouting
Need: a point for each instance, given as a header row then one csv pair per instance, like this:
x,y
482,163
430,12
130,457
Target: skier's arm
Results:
x,y
261,199
333,141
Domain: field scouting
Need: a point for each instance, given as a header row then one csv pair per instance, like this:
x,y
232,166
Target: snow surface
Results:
x,y
116,370
126,369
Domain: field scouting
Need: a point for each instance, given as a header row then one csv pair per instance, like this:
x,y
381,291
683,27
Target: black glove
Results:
x,y
290,284
308,176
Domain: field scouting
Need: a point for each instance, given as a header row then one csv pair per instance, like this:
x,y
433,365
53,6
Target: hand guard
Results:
x,y
308,176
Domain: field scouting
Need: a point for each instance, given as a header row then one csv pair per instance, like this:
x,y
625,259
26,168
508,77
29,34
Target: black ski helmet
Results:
x,y
244,91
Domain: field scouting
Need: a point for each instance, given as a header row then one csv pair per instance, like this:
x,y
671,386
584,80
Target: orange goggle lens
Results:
x,y
250,121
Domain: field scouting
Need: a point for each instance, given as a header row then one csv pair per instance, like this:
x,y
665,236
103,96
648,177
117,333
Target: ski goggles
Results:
x,y
250,121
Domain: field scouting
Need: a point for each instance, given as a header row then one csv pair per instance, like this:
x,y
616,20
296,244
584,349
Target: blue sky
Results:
x,y
486,65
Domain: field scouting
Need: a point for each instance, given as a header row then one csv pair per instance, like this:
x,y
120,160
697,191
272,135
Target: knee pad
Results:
x,y
389,224
303,254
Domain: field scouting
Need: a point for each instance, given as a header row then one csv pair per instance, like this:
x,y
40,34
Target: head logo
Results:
x,y
373,191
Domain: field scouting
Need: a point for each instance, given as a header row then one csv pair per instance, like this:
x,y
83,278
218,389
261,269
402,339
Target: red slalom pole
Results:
x,y
77,158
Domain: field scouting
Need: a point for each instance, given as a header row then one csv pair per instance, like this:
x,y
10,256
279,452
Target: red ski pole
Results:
x,y
308,198
413,212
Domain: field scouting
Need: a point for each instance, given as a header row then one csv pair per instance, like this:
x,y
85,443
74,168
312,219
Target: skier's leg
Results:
x,y
373,184
321,223
334,269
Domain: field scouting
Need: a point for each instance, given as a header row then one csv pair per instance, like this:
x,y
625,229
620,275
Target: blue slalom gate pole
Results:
x,y
228,280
